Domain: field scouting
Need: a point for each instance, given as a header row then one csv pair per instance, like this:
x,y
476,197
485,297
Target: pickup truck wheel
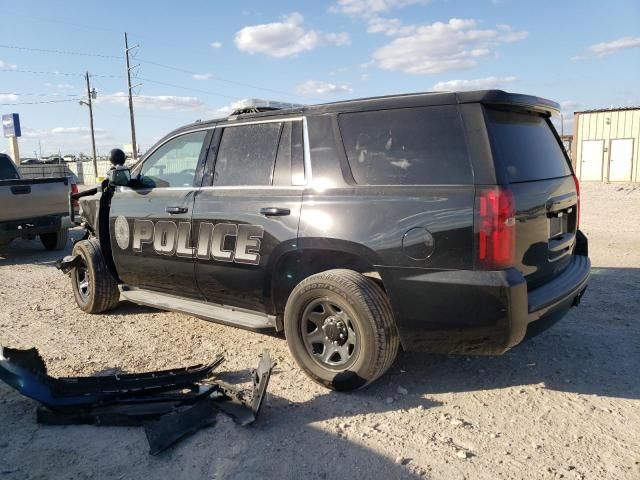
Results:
x,y
94,287
340,329
55,240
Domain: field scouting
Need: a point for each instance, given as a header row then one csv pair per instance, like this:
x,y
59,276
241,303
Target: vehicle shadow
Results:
x,y
285,442
594,350
23,252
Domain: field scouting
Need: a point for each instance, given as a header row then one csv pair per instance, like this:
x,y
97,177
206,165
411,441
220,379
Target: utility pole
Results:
x,y
134,145
91,94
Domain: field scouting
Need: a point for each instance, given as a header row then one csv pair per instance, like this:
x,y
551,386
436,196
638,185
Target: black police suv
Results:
x,y
439,222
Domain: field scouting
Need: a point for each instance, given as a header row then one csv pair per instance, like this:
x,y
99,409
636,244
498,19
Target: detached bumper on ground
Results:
x,y
171,404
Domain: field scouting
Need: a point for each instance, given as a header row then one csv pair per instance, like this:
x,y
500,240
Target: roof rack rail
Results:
x,y
257,105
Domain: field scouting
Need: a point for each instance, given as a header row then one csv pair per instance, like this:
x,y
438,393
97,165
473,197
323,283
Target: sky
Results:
x,y
195,59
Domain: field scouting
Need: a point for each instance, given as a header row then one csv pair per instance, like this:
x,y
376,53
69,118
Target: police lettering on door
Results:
x,y
174,238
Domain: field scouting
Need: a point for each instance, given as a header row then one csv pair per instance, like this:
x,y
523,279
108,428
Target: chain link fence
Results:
x,y
81,172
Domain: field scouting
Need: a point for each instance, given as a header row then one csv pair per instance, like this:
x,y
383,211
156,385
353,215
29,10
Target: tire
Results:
x,y
94,287
55,240
345,303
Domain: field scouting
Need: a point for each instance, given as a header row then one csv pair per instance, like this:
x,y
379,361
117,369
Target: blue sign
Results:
x,y
11,125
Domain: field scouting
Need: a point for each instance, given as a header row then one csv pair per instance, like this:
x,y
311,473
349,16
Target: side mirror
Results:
x,y
120,176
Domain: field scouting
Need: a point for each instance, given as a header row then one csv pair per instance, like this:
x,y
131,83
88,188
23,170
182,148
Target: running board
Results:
x,y
209,311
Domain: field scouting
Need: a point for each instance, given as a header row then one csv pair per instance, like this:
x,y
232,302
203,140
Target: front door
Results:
x,y
620,160
150,225
248,215
591,166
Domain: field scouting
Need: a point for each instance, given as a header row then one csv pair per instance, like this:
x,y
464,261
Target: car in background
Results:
x,y
29,161
34,207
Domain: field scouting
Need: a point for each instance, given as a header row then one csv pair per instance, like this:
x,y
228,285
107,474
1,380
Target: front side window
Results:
x,y
406,146
174,164
246,155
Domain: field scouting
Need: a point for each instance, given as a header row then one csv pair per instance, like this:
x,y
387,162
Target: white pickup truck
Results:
x,y
30,207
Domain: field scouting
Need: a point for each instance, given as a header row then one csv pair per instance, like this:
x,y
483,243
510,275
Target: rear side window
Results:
x,y
525,146
409,146
246,154
7,170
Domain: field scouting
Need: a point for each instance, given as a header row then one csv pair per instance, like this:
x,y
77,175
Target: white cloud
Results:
x,y
608,48
74,130
60,86
389,26
65,139
485,83
215,45
285,38
442,47
367,8
337,39
202,76
318,87
8,97
7,65
161,102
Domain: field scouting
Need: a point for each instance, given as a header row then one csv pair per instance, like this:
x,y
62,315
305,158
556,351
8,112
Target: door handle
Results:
x,y
176,210
21,190
274,211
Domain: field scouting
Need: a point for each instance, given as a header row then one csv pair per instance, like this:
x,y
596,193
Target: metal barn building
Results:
x,y
605,146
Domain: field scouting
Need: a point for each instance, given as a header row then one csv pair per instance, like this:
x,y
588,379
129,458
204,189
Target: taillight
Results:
x,y
575,180
495,228
74,189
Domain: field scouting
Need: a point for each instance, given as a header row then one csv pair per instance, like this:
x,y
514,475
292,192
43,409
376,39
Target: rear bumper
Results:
x,y
474,312
33,226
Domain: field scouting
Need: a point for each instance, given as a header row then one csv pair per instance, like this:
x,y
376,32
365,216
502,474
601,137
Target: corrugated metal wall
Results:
x,y
608,125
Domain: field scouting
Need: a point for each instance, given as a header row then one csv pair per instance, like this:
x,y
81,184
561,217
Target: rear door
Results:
x,y
248,213
530,159
620,160
591,161
150,226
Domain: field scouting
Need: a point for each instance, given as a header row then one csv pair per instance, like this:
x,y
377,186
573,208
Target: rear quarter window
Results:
x,y
525,146
408,146
7,170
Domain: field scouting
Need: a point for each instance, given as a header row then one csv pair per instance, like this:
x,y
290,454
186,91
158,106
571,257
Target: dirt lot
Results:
x,y
564,405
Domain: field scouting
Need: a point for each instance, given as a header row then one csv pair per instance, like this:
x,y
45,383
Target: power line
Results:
x,y
63,52
56,72
217,94
217,78
41,94
42,101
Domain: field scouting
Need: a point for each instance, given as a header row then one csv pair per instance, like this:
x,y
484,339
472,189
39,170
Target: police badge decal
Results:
x,y
121,232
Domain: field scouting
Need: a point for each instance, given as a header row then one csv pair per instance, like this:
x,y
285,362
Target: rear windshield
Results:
x,y
406,146
526,147
7,170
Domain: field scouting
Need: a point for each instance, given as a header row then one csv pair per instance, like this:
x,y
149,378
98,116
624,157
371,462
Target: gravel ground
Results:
x,y
563,405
